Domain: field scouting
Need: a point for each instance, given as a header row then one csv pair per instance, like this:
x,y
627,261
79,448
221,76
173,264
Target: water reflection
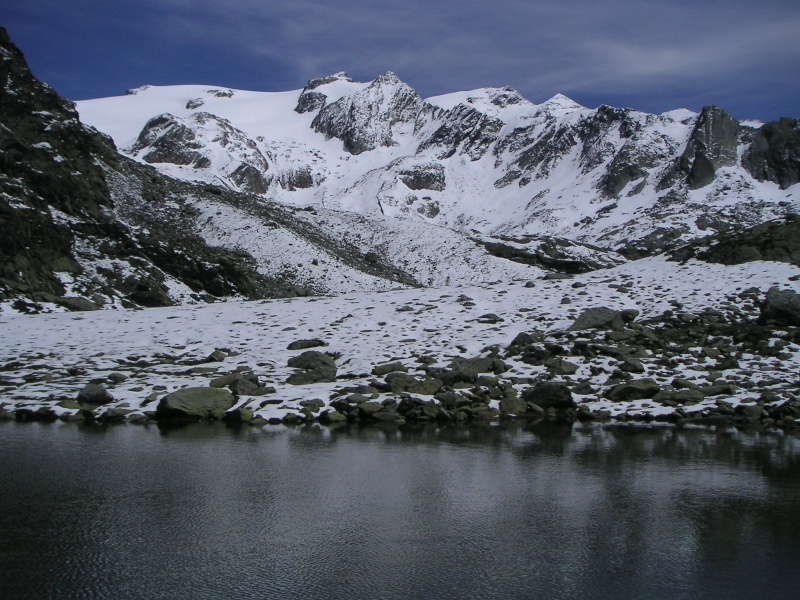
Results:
x,y
545,510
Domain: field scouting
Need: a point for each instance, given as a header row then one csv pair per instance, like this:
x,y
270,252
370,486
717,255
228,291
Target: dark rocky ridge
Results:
x,y
774,154
712,145
67,197
778,242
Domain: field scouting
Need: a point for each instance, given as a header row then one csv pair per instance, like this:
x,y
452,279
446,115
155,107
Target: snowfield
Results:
x,y
140,355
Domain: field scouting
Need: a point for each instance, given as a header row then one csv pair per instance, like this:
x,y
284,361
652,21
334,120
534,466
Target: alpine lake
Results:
x,y
511,511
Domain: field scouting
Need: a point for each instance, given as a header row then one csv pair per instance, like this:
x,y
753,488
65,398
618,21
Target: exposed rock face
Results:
x,y
778,242
192,141
167,140
310,102
429,176
465,131
297,179
194,404
712,145
553,254
42,144
774,154
368,119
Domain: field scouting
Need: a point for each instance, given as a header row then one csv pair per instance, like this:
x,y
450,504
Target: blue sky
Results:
x,y
653,56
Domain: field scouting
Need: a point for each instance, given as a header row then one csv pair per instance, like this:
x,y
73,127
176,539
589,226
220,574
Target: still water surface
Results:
x,y
547,512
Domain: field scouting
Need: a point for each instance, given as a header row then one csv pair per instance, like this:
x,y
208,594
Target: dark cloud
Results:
x,y
652,55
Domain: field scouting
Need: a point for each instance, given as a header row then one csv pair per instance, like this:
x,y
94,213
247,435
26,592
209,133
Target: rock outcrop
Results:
x,y
774,154
368,119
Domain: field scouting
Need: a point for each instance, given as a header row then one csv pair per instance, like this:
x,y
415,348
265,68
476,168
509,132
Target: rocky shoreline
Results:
x,y
732,365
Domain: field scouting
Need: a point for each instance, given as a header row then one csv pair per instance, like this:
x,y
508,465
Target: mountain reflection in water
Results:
x,y
518,511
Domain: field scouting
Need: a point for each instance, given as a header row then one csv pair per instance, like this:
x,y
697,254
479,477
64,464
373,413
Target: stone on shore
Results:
x,y
194,404
549,394
94,394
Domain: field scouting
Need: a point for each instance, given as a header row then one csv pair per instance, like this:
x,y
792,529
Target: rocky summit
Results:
x,y
353,253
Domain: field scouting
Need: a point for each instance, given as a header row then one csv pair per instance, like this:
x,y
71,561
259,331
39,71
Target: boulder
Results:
x,y
312,376
331,416
304,344
598,318
466,370
638,389
238,415
232,378
370,408
381,370
403,382
312,359
559,366
76,303
631,365
513,406
684,396
316,367
781,307
195,404
549,394
94,394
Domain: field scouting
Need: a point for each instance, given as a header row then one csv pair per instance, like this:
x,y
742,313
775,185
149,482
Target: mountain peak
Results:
x,y
320,81
388,78
562,101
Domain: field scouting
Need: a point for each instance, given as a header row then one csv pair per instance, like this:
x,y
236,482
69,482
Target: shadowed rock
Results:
x,y
781,307
194,404
549,394
595,318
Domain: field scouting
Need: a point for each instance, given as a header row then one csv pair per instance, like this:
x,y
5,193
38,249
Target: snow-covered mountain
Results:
x,y
83,227
353,187
486,160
